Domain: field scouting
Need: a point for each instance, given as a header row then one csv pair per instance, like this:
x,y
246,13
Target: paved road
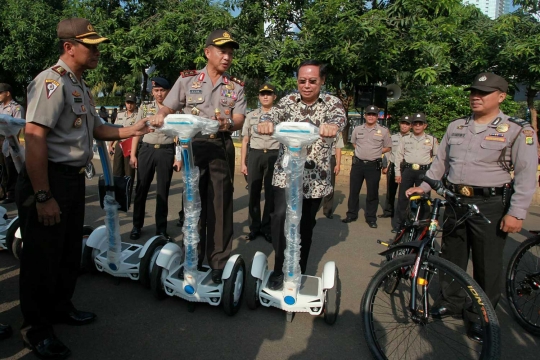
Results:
x,y
134,325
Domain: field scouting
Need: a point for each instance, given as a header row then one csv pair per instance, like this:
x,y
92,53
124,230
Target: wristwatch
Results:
x,y
231,123
42,196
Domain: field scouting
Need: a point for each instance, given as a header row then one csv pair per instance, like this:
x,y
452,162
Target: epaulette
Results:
x,y
187,73
59,69
238,81
519,121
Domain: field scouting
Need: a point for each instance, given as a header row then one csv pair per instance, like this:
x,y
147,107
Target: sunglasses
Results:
x,y
418,123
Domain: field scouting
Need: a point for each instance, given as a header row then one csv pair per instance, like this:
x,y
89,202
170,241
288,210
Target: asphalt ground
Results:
x,y
132,324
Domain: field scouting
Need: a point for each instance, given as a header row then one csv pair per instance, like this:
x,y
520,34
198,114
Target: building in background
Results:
x,y
492,8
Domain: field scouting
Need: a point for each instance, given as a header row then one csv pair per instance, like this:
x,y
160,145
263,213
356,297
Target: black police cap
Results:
x,y
372,109
267,87
131,97
419,117
221,37
406,118
5,87
488,82
160,82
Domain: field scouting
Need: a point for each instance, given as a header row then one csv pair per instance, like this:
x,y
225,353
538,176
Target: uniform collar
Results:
x,y
206,78
70,74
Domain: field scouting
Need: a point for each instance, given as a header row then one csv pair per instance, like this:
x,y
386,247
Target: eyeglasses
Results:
x,y
266,93
418,123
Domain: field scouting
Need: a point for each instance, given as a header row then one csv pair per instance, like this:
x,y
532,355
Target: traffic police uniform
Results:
x,y
194,93
367,164
391,185
478,159
51,260
121,165
263,153
328,200
9,173
155,156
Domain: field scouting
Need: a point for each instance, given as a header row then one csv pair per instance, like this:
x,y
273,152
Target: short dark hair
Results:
x,y
322,66
61,43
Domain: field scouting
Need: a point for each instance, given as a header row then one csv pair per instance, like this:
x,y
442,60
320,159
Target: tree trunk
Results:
x,y
531,94
143,85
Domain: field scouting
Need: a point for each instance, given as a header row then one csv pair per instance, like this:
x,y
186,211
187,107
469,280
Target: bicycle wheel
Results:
x,y
523,285
392,331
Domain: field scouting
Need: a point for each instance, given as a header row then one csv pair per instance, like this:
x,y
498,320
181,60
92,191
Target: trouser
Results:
x,y
260,172
307,223
121,165
485,240
328,200
215,159
153,161
361,171
247,164
409,179
9,174
391,190
51,258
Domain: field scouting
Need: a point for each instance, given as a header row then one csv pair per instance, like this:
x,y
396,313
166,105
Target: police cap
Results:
x,y
372,109
488,82
130,97
267,87
406,118
221,37
5,87
419,117
160,82
80,30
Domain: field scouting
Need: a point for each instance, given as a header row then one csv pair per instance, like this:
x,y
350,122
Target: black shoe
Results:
x,y
442,310
475,333
372,224
348,220
247,187
76,318
5,331
164,234
135,233
252,235
50,348
216,276
329,216
395,230
275,282
10,198
268,237
384,216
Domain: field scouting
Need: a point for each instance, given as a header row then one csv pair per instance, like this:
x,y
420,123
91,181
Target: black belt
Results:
x,y
417,166
366,161
213,136
470,191
66,169
158,146
263,150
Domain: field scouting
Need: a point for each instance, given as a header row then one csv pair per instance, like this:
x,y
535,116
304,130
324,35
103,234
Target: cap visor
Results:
x,y
229,42
266,90
93,41
481,88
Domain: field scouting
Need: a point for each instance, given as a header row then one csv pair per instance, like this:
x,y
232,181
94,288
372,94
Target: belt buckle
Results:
x,y
415,166
464,190
212,136
156,146
265,150
81,171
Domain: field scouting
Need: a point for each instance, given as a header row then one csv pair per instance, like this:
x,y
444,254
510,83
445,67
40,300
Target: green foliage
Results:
x,y
109,101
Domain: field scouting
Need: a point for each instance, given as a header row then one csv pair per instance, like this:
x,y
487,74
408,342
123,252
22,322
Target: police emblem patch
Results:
x,y
51,86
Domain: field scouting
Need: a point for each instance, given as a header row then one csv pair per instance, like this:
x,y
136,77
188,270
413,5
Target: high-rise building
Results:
x,y
491,8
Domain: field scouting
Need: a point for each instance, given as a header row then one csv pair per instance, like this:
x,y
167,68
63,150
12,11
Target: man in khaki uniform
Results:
x,y
213,94
335,166
10,107
263,152
121,165
61,125
413,157
370,141
478,153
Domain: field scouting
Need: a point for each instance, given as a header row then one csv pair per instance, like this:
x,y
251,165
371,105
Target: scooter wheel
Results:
x,y
149,260
16,248
252,291
10,235
156,281
87,231
87,262
233,288
332,299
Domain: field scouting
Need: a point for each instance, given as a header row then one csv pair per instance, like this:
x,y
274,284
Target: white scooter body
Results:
x,y
4,227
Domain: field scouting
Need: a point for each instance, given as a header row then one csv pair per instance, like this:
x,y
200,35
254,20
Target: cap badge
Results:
x,y
483,78
502,128
77,123
418,115
153,84
90,27
265,87
51,86
226,35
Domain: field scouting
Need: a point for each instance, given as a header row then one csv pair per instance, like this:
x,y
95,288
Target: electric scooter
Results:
x,y
103,250
176,273
300,293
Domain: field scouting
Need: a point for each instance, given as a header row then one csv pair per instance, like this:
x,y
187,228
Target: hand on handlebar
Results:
x,y
414,190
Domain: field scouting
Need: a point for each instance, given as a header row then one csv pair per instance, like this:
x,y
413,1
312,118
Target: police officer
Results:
x,y
370,141
10,107
213,94
414,155
335,166
263,152
479,152
156,156
389,168
121,165
61,125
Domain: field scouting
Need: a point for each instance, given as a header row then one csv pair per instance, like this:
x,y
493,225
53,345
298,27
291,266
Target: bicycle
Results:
x,y
523,284
396,319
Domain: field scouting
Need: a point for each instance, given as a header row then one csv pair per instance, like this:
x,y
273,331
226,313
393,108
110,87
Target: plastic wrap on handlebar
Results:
x,y
435,184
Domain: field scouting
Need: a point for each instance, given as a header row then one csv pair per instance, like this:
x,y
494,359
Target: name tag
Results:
x,y
78,100
377,134
195,91
457,135
495,138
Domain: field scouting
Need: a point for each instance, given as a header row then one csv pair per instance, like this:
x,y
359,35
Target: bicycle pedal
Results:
x,y
383,243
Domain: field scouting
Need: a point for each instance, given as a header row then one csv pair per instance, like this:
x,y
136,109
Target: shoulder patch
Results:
x,y
238,81
519,121
188,73
59,69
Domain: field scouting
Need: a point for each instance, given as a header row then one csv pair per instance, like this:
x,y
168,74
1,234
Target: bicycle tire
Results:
x,y
524,295
371,317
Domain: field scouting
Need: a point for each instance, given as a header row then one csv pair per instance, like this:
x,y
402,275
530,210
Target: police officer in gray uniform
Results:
x,y
335,165
213,94
413,155
155,156
61,125
263,153
370,141
121,165
478,153
389,167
